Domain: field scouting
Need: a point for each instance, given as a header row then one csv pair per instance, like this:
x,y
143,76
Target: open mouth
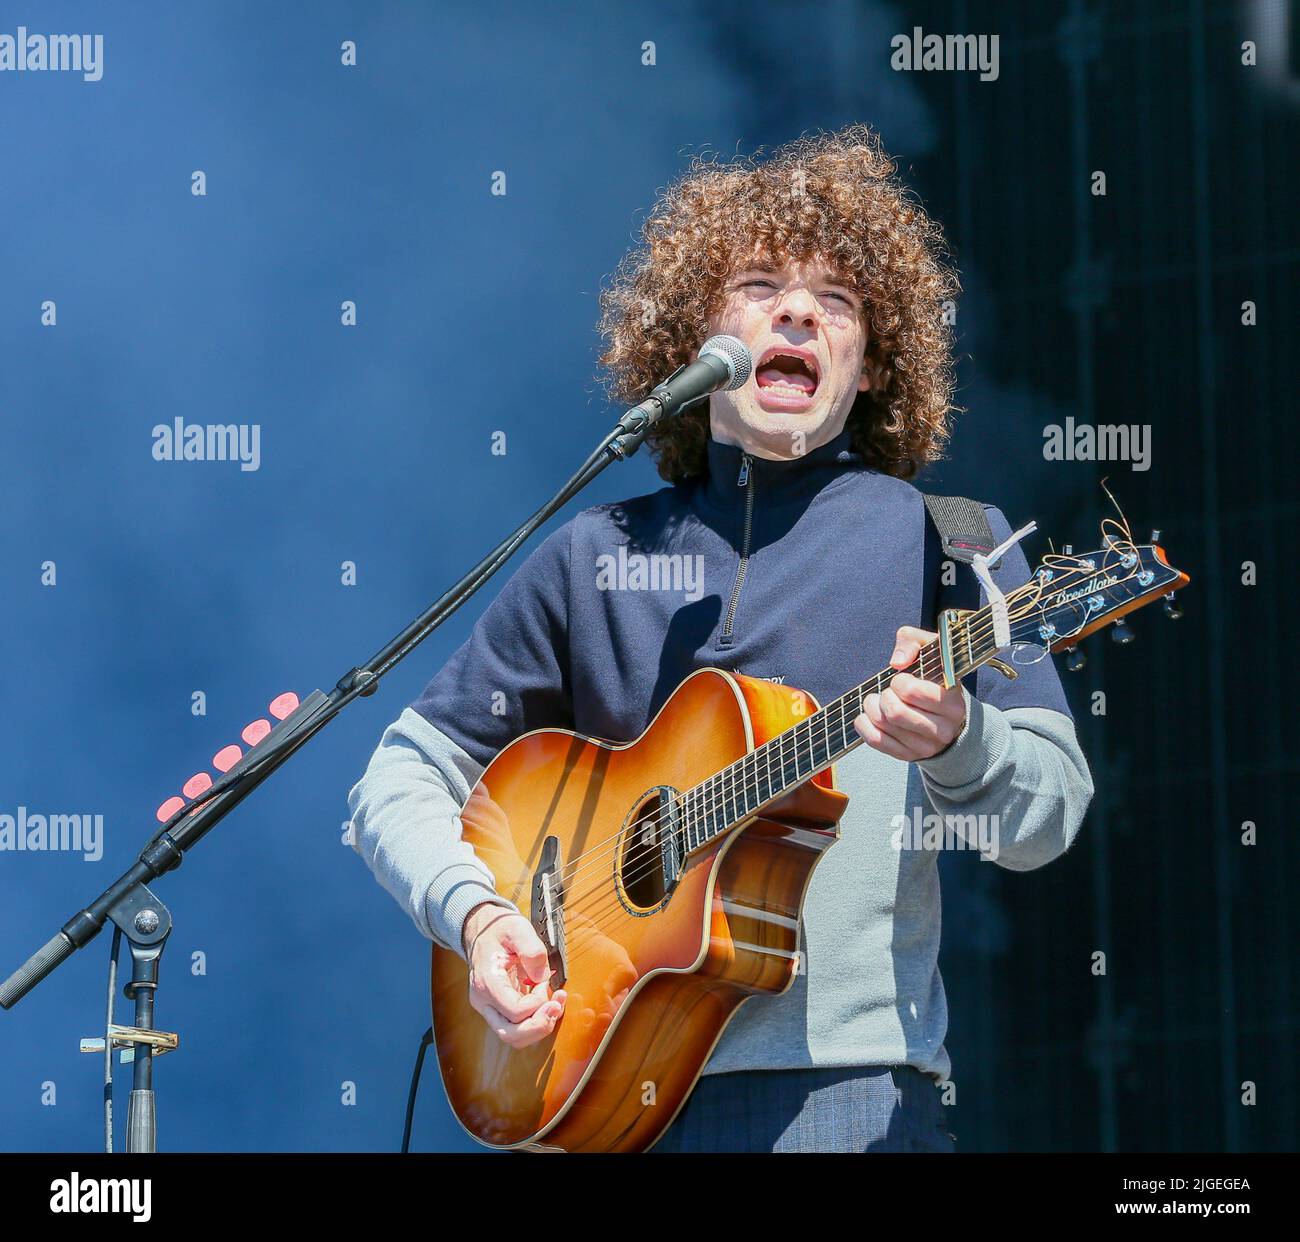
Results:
x,y
786,372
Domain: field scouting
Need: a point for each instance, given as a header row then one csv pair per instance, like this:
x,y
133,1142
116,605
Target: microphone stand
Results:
x,y
144,920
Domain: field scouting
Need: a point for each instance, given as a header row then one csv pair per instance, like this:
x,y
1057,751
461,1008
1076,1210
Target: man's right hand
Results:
x,y
508,974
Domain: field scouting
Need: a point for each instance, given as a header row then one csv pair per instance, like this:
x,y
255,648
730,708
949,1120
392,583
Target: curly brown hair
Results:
x,y
832,195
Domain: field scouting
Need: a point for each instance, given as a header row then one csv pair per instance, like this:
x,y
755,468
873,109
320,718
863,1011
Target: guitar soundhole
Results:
x,y
651,853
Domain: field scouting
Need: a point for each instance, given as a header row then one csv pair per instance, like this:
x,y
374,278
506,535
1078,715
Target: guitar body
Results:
x,y
654,967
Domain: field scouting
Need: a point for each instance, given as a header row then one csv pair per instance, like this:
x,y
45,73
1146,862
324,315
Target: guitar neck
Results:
x,y
717,805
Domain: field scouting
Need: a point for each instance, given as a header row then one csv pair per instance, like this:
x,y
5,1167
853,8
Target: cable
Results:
x,y
108,1041
425,1040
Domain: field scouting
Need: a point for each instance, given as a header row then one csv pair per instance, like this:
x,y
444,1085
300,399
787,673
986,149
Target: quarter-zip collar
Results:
x,y
779,482
741,483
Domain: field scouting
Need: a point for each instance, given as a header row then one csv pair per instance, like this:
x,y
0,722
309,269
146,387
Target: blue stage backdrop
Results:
x,y
371,237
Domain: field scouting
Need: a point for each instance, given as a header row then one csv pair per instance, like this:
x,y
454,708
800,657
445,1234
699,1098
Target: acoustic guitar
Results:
x,y
666,876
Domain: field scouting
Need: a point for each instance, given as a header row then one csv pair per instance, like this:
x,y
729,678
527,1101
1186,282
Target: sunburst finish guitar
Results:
x,y
666,876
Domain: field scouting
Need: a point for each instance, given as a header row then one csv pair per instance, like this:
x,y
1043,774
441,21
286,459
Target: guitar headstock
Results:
x,y
1073,595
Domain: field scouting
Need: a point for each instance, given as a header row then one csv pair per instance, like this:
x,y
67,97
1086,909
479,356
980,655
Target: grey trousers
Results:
x,y
866,1108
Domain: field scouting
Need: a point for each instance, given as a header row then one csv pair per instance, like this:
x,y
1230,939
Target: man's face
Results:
x,y
805,329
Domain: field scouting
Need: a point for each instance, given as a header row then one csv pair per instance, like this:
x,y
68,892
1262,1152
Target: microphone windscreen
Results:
x,y
740,363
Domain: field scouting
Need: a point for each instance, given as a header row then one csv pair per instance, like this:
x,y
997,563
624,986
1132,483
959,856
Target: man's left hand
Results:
x,y
912,718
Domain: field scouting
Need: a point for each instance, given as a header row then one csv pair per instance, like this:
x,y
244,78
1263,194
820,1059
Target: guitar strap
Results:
x,y
962,524
963,531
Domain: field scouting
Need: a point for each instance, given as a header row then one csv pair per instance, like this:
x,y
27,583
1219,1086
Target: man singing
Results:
x,y
817,566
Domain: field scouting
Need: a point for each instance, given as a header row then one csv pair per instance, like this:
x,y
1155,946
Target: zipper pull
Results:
x,y
744,470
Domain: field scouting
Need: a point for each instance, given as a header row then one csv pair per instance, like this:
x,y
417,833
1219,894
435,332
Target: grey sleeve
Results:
x,y
406,825
1022,765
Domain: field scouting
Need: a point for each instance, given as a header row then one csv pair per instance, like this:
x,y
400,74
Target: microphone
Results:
x,y
724,363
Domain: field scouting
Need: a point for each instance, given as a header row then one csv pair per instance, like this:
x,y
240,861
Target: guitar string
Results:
x,y
727,777
845,743
733,780
575,906
739,780
793,769
832,735
836,716
745,773
614,914
651,860
839,706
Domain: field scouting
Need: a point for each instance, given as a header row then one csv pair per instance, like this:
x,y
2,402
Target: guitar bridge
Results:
x,y
547,913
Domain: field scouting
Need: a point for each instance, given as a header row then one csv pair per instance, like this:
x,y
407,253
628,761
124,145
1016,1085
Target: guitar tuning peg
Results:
x,y
1155,537
1173,609
1067,550
1121,633
1075,659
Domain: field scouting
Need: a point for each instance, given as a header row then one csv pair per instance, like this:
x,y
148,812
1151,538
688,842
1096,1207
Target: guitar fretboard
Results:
x,y
716,806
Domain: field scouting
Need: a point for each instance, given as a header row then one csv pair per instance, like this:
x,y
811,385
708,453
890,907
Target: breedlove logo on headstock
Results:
x,y
1081,594
1069,597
